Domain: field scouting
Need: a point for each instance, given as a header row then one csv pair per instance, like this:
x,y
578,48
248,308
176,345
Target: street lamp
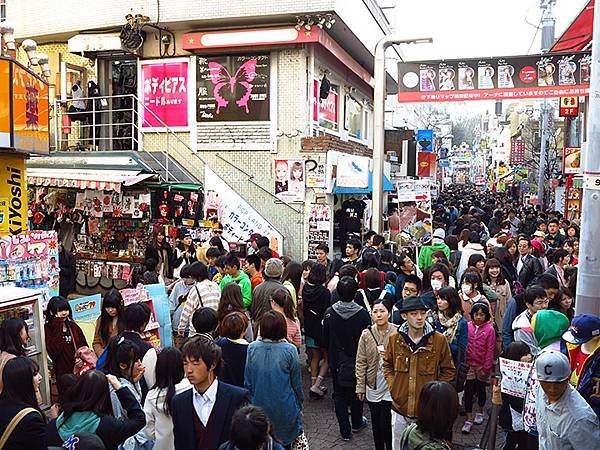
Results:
x,y
30,46
44,64
7,32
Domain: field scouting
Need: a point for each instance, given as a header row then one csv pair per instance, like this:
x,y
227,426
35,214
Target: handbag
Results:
x,y
13,424
461,372
300,443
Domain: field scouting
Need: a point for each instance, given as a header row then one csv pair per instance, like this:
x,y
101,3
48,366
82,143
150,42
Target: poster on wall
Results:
x,y
319,227
30,260
165,94
325,110
315,171
414,209
571,160
289,180
239,219
233,88
551,75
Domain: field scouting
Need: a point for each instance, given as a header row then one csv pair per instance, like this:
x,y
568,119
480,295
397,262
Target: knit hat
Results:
x,y
538,245
552,366
548,326
438,236
273,268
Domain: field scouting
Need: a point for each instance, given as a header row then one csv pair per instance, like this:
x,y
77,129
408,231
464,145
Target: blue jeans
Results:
x,y
344,397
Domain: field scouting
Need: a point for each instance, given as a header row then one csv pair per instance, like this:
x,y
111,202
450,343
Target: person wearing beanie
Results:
x,y
583,344
548,327
437,243
343,325
261,297
564,419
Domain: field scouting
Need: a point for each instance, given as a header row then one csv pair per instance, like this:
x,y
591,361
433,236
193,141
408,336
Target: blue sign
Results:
x,y
425,140
444,163
86,308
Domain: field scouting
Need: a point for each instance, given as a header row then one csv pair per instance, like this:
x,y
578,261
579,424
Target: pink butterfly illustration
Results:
x,y
221,79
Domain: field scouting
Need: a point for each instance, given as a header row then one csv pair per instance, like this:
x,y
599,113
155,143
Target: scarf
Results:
x,y
450,324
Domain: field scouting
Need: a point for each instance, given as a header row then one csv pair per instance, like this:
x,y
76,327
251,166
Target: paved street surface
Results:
x,y
323,432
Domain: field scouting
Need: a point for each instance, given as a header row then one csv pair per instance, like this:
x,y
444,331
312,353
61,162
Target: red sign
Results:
x,y
426,164
326,109
165,94
571,160
569,107
517,151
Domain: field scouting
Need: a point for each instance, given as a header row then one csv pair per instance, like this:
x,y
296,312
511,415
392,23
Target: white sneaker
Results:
x,y
479,418
466,429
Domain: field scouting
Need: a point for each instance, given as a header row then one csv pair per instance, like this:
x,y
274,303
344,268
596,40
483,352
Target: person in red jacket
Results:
x,y
63,336
480,359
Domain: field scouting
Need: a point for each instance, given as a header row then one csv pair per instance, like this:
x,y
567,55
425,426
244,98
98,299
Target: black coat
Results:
x,y
30,433
68,272
111,430
152,252
229,400
532,268
315,301
342,335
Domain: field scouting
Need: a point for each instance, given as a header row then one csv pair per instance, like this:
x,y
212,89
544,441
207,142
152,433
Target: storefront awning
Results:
x,y
579,34
387,187
107,180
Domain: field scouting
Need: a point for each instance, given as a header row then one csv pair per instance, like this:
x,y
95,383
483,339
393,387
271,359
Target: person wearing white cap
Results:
x,y
437,243
564,419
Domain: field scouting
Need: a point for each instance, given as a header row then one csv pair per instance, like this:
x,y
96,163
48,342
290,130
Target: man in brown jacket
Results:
x,y
415,355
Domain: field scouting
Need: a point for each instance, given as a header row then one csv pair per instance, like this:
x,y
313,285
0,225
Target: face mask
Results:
x,y
436,285
466,289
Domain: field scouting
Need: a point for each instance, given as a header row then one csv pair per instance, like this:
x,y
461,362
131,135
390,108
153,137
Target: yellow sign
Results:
x,y
4,212
13,190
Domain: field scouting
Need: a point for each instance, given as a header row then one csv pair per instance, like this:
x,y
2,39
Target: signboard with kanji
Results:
x,y
569,107
546,76
517,151
164,86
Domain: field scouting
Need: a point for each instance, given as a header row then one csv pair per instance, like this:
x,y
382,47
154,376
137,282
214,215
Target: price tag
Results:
x,y
591,182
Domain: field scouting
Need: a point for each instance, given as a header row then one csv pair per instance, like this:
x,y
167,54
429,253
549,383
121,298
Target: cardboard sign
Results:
x,y
514,377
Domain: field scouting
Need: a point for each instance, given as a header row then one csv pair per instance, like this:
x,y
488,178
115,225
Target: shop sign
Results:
x,y
414,209
13,194
319,227
289,180
426,166
239,219
569,107
425,140
5,120
30,112
325,111
517,151
86,308
519,77
315,172
233,88
571,160
164,88
352,171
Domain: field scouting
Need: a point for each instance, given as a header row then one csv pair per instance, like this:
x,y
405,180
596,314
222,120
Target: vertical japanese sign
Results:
x,y
165,93
517,151
13,195
319,227
5,103
30,112
571,160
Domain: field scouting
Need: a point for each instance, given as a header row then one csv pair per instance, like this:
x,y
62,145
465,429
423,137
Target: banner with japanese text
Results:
x,y
165,93
414,209
546,76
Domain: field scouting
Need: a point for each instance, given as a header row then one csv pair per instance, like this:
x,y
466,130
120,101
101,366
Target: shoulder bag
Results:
x,y
13,424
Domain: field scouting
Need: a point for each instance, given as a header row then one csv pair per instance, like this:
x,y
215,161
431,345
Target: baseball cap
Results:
x,y
539,233
584,328
253,237
552,366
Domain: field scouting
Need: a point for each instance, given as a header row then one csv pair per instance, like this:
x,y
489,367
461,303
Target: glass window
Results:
x,y
354,121
327,109
2,10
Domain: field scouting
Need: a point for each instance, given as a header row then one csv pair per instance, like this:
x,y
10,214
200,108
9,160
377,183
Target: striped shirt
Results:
x,y
205,294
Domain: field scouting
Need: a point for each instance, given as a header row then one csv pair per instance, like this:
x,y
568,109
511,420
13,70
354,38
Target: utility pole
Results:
x,y
380,75
547,41
588,271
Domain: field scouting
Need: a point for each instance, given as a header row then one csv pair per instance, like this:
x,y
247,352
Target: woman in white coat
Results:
x,y
170,381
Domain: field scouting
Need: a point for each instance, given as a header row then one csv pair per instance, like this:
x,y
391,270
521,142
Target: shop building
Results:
x,y
231,91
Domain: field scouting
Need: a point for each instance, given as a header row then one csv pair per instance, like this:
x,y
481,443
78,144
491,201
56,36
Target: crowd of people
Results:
x,y
416,337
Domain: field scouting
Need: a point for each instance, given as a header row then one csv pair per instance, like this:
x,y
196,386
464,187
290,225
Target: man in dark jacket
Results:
x,y
528,266
343,324
261,297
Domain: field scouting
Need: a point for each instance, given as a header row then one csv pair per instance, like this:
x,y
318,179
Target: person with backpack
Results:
x,y
343,324
370,382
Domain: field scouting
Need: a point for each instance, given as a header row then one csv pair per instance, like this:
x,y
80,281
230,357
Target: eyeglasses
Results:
x,y
408,289
541,302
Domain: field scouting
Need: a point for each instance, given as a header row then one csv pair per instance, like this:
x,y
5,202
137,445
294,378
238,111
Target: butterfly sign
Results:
x,y
227,87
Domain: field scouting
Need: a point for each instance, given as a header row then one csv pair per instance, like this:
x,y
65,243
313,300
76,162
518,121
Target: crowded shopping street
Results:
x,y
323,225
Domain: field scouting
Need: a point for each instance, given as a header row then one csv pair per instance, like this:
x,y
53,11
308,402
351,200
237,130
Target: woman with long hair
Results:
x,y
292,279
509,270
251,429
563,302
13,336
110,322
232,301
463,238
63,336
21,379
511,246
281,301
88,409
162,252
493,276
217,243
170,381
185,253
436,413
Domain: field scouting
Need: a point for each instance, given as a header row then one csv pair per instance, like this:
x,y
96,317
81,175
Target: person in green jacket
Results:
x,y
235,275
437,243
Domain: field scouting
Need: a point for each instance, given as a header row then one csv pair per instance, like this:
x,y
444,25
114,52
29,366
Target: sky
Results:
x,y
476,28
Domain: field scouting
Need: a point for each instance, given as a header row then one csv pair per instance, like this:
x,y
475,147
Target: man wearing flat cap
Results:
x,y
415,355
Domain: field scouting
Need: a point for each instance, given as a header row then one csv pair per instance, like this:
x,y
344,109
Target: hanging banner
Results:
x,y
13,195
289,180
165,93
546,76
571,160
233,88
414,209
425,140
239,219
325,111
568,107
426,165
517,151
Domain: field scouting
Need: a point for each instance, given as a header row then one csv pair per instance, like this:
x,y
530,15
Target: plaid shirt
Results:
x,y
205,294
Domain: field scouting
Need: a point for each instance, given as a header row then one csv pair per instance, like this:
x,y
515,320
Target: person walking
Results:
x,y
204,294
370,381
261,298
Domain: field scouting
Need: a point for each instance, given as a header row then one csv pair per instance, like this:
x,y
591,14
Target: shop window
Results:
x,y
2,10
326,110
354,121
